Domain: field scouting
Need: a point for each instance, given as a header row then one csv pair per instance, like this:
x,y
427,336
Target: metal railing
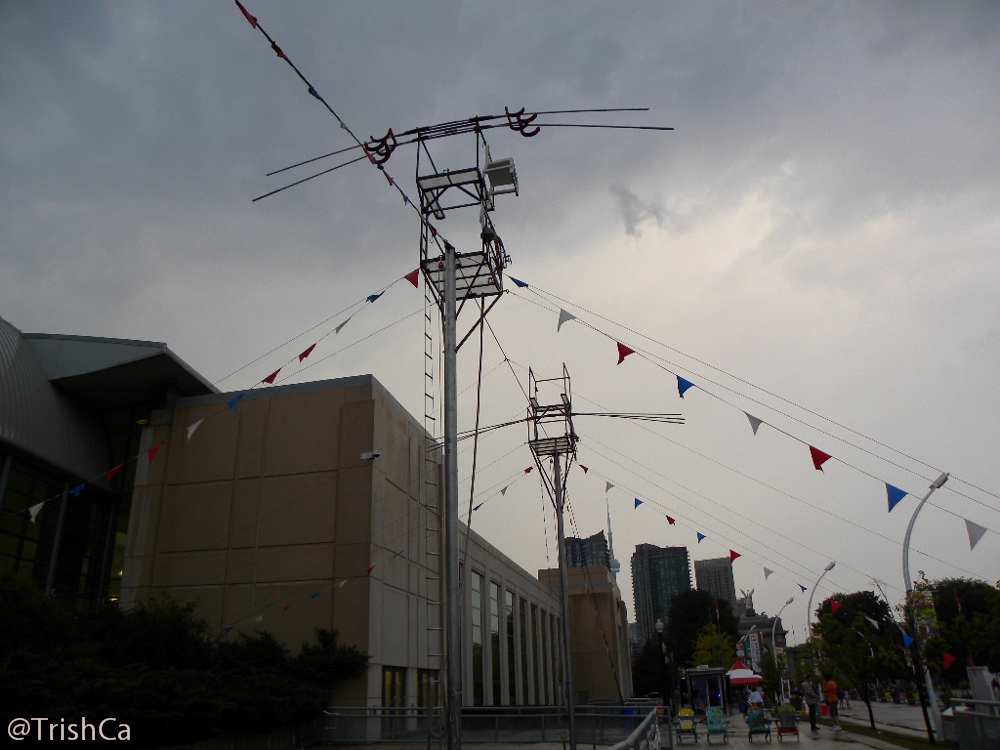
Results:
x,y
977,723
645,737
597,726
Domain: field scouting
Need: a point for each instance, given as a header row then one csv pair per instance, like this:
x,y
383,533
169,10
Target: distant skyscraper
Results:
x,y
657,574
716,577
590,551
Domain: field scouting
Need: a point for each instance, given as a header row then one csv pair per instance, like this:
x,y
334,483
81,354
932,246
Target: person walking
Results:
x,y
811,696
830,688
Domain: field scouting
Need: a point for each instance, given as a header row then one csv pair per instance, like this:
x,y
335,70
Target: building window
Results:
x,y
534,643
524,652
393,687
511,655
477,638
495,643
544,698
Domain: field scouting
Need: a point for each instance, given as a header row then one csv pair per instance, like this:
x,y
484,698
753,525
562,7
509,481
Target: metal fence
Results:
x,y
977,724
597,726
646,736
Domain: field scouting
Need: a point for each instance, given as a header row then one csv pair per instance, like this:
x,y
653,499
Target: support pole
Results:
x,y
564,587
935,715
452,610
809,606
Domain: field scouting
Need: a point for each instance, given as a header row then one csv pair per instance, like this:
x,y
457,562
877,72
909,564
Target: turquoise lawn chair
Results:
x,y
757,723
716,724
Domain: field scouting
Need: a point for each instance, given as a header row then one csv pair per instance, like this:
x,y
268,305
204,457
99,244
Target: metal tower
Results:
x,y
559,448
455,278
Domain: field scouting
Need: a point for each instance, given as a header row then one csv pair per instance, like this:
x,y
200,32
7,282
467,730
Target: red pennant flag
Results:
x,y
819,457
307,352
251,19
278,52
733,555
371,569
834,606
413,277
585,469
389,178
948,659
286,606
115,470
528,470
270,378
152,451
670,521
623,351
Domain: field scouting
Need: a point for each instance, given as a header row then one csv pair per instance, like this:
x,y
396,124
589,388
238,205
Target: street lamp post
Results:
x,y
774,653
809,606
664,685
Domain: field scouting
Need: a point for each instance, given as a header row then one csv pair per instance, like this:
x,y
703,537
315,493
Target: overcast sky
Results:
x,y
817,240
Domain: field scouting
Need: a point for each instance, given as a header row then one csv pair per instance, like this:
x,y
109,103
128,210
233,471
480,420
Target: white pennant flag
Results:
x,y
33,510
975,533
609,486
754,423
337,329
873,622
504,490
563,317
194,426
342,584
767,573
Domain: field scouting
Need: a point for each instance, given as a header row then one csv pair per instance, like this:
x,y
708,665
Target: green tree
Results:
x,y
968,615
861,652
713,648
690,611
647,671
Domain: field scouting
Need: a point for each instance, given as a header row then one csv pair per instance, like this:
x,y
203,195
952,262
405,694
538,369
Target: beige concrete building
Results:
x,y
298,507
602,668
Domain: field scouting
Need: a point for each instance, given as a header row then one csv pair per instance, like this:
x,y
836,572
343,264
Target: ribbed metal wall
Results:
x,y
37,418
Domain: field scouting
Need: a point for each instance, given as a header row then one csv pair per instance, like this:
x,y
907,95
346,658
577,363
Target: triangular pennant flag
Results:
x,y
671,521
834,606
401,551
948,659
700,536
872,621
683,385
307,352
638,502
337,329
804,589
504,490
251,19
585,469
406,198
819,457
114,471
208,639
907,640
623,351
315,596
733,556
342,584
564,316
413,276
528,470
75,491
519,282
258,618
232,404
975,532
477,507
229,629
895,495
387,176
270,378
33,510
287,606
278,52
767,573
315,93
194,426
754,423
152,451
371,569
373,297
608,486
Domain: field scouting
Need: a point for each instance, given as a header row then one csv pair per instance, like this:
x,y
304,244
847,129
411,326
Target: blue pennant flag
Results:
x,y
232,404
895,495
518,282
75,492
700,536
638,502
313,92
230,628
683,385
478,507
804,589
315,596
907,640
373,297
406,198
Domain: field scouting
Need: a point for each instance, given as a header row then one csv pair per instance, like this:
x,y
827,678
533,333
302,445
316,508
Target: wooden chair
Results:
x,y
758,723
788,721
685,725
715,724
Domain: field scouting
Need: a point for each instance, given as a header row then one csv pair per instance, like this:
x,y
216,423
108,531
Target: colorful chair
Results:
x,y
716,724
686,725
757,723
788,721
